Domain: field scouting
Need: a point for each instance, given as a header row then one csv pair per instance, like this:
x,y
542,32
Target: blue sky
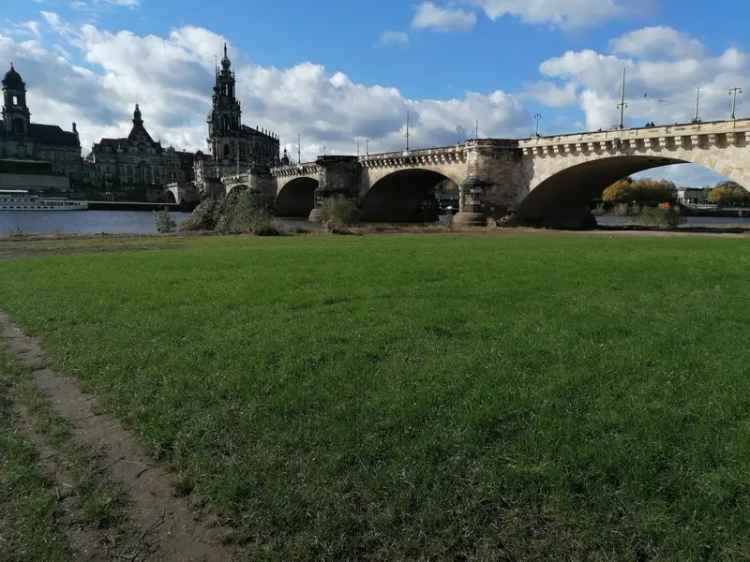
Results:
x,y
338,71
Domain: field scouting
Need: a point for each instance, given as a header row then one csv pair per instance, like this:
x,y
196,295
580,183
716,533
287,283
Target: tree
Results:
x,y
729,194
642,192
619,192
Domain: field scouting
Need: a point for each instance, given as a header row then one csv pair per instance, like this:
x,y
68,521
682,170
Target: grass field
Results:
x,y
442,397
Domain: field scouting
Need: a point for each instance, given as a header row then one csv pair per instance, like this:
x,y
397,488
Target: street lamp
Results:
x,y
538,119
733,92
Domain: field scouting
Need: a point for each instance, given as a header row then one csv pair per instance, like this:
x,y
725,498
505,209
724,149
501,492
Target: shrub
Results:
x,y
661,217
242,213
338,212
261,224
204,217
626,210
164,222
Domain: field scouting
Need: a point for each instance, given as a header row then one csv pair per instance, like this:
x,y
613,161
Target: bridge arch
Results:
x,y
296,198
561,195
237,188
171,196
404,196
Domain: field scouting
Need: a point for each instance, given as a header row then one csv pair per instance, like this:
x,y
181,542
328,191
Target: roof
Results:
x,y
13,80
48,134
54,135
252,131
129,141
139,134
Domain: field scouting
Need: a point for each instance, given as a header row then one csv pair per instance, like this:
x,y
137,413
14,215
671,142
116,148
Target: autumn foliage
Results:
x,y
729,194
642,192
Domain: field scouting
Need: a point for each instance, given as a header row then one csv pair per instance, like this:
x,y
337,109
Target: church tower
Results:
x,y
16,115
225,119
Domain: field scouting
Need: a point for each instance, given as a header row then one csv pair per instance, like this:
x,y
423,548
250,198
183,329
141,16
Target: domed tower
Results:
x,y
225,119
16,114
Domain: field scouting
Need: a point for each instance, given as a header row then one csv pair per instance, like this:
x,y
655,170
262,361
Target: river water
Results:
x,y
140,222
81,222
690,222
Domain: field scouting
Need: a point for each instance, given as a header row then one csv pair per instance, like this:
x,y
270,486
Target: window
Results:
x,y
15,100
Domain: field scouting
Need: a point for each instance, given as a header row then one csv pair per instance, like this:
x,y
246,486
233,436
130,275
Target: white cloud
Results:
x,y
89,5
664,71
393,39
552,95
431,16
566,14
29,28
171,78
658,42
124,3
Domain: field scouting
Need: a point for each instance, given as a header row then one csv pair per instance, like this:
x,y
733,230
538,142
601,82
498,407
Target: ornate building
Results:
x,y
232,146
58,152
137,165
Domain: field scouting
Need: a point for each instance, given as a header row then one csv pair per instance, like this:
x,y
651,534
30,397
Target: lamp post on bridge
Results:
x,y
697,106
538,119
733,92
622,106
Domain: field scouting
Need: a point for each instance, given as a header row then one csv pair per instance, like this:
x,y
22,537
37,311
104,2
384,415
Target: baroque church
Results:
x,y
233,147
44,154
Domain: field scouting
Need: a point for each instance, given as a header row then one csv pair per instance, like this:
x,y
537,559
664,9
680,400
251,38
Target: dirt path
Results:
x,y
166,527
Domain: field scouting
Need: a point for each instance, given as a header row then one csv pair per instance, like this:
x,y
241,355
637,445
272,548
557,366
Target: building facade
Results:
x,y
136,166
25,142
232,146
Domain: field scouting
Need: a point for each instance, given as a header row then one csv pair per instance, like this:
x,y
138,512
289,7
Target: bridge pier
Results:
x,y
339,177
492,181
471,209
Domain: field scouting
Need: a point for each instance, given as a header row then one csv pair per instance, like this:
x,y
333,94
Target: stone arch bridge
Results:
x,y
546,181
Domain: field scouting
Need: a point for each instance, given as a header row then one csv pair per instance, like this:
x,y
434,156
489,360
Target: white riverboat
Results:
x,y
20,200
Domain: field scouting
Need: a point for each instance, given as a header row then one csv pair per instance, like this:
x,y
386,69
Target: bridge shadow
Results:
x,y
297,198
406,196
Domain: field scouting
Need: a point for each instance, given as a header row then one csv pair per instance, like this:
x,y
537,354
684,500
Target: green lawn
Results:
x,y
442,397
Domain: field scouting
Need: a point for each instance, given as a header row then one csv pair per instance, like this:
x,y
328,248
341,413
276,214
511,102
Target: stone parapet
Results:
x,y
299,170
718,133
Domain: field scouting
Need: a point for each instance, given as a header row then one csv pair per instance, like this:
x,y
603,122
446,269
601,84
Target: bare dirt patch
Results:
x,y
165,526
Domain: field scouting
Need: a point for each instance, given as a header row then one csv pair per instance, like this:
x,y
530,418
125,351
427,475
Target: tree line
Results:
x,y
650,192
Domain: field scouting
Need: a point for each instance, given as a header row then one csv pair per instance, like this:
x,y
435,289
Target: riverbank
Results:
x,y
27,245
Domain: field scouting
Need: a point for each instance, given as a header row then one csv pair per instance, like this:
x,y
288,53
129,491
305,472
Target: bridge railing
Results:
x,y
304,169
675,130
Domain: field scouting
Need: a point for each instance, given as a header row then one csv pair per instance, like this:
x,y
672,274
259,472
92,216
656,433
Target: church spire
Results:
x,y
137,117
226,64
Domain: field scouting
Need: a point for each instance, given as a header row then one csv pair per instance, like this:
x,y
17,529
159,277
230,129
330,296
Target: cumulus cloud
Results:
x,y
393,39
171,78
431,16
658,42
664,67
553,95
565,14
